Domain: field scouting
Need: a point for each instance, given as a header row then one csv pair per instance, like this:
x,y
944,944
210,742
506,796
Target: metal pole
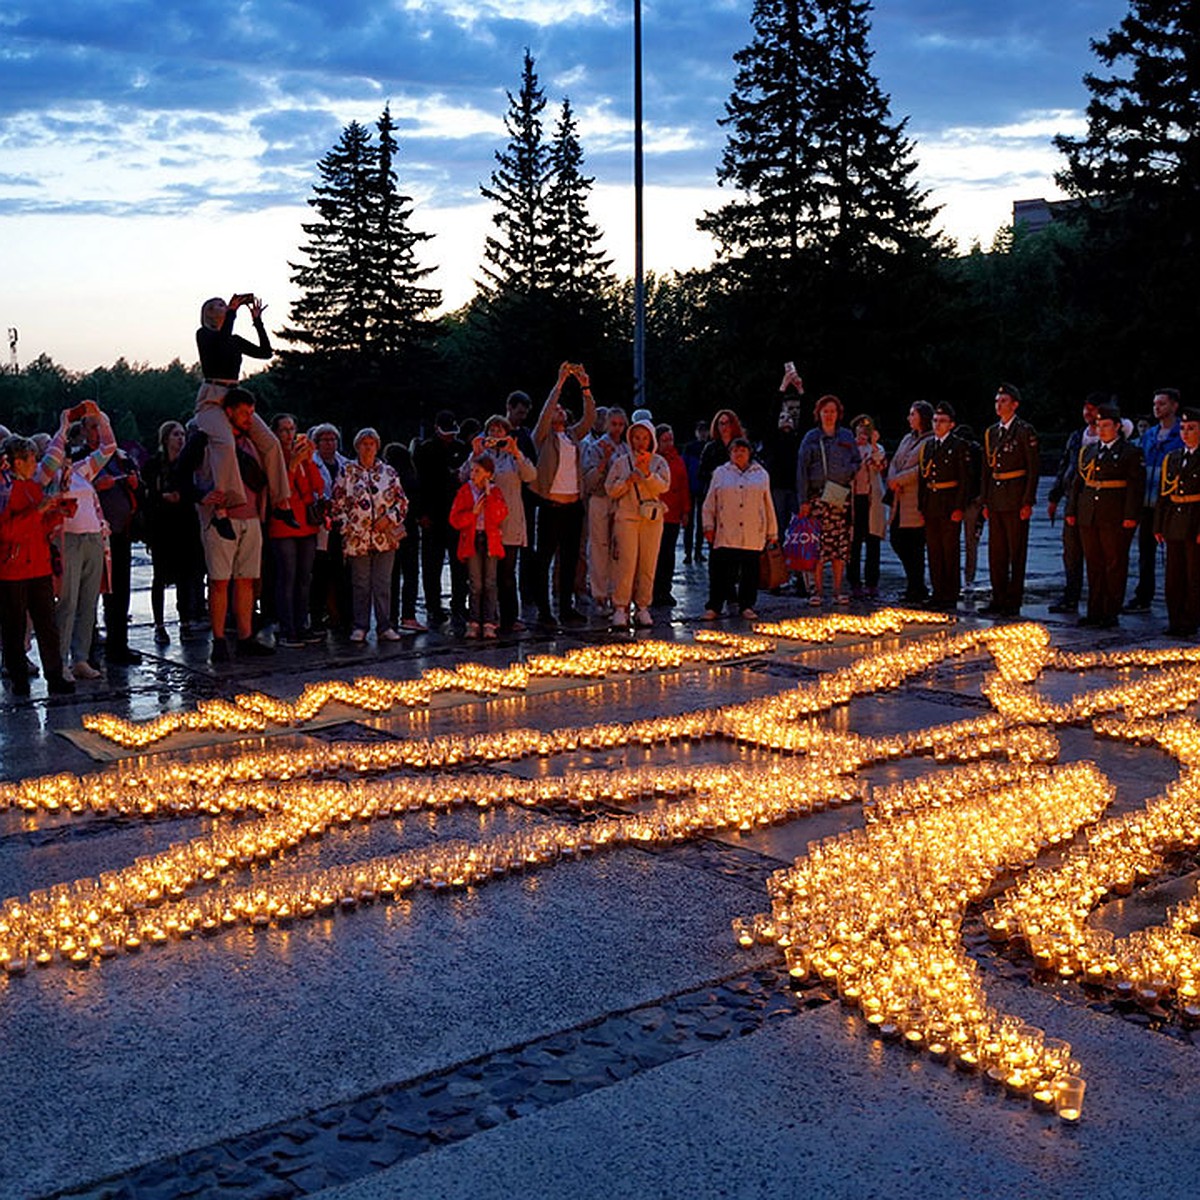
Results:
x,y
639,286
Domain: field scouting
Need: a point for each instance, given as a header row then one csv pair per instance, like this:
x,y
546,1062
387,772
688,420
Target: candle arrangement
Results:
x,y
254,711
876,913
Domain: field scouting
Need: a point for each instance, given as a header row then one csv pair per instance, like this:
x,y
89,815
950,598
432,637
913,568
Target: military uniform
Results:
x,y
1010,475
1177,522
1105,492
943,488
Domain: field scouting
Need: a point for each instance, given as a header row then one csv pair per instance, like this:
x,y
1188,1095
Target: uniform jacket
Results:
x,y
1010,466
1107,487
943,476
1176,518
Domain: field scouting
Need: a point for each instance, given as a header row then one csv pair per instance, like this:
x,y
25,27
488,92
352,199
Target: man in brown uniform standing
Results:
x,y
1010,475
1177,524
1104,505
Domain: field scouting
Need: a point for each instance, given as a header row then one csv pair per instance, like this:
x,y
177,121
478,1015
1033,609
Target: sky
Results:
x,y
154,153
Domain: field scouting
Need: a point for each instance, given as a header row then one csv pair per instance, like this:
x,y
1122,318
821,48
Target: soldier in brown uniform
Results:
x,y
1104,504
1010,475
1177,524
943,487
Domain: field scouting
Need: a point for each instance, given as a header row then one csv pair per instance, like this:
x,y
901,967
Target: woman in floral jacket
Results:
x,y
369,504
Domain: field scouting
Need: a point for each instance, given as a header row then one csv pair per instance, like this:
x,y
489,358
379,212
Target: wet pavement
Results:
x,y
584,1030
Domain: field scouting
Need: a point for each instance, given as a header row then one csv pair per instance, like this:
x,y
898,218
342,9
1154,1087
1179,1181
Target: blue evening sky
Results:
x,y
153,154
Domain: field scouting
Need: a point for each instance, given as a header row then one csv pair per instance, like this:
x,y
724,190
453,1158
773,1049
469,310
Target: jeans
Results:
x,y
481,576
293,558
371,588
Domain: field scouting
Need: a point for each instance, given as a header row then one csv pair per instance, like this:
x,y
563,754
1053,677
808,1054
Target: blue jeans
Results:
x,y
371,588
481,576
293,576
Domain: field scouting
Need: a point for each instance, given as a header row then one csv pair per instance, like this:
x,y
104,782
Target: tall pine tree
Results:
x,y
1136,172
579,269
517,255
361,313
827,254
821,167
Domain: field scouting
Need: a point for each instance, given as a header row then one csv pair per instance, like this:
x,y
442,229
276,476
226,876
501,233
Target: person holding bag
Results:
x,y
825,469
636,481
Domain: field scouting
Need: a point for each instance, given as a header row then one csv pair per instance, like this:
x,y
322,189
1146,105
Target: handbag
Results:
x,y
649,510
772,569
802,543
833,494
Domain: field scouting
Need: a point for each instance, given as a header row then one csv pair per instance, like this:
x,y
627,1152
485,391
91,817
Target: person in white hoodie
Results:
x,y
636,481
739,522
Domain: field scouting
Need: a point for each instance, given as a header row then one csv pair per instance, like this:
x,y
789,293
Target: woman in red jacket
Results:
x,y
477,513
678,499
26,577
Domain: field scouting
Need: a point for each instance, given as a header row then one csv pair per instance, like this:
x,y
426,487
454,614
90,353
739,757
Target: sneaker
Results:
x,y
161,636
358,635
253,648
643,618
710,614
748,614
472,629
389,635
83,670
489,631
413,625
220,651
620,618
814,601
841,598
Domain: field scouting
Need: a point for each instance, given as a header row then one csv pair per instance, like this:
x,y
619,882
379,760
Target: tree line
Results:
x,y
828,254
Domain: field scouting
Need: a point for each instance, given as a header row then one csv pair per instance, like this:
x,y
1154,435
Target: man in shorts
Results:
x,y
238,558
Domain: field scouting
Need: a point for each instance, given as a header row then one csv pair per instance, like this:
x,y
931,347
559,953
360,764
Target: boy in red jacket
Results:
x,y
26,575
477,513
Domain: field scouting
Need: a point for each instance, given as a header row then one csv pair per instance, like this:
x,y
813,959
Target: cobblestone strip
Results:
x,y
348,1141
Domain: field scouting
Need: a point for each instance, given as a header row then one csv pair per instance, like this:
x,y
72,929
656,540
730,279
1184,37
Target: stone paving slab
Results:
x,y
813,1107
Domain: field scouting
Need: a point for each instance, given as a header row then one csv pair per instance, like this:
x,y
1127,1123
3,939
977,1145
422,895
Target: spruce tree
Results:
x,y
1143,134
401,301
822,169
578,268
517,256
337,283
1136,173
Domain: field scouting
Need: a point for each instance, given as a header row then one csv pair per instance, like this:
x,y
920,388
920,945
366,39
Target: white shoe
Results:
x,y
643,618
84,670
358,635
389,635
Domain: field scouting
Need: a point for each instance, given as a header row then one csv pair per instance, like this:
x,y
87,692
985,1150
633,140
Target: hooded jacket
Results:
x,y
627,487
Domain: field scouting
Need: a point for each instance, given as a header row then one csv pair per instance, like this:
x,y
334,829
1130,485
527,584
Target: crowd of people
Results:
x,y
572,516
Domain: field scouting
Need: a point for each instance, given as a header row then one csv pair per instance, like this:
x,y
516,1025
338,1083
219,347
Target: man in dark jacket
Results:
x,y
1177,526
1010,475
1068,466
436,461
1105,501
943,488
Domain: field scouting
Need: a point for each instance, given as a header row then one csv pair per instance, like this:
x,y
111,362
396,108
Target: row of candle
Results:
x,y
877,913
827,628
254,711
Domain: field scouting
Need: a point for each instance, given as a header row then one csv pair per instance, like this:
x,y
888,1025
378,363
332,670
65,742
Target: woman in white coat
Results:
x,y
739,522
635,484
